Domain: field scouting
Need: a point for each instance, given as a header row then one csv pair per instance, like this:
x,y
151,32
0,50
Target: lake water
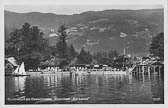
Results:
x,y
84,89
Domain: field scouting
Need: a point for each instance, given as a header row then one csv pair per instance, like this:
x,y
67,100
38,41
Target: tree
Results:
x,y
111,56
157,46
28,45
72,53
84,57
106,57
61,47
14,43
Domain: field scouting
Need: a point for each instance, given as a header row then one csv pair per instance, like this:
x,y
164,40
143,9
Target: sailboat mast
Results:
x,y
16,71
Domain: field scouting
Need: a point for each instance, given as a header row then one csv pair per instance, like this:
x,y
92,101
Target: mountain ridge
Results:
x,y
97,30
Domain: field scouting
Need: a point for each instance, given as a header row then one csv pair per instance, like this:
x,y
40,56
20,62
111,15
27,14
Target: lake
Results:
x,y
84,89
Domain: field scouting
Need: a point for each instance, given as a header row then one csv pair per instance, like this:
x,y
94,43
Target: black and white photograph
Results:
x,y
84,54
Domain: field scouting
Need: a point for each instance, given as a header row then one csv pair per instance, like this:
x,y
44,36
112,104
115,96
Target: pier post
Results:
x,y
138,68
159,70
143,69
143,77
154,70
148,70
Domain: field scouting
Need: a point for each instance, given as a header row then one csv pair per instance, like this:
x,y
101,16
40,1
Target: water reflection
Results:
x,y
15,86
100,88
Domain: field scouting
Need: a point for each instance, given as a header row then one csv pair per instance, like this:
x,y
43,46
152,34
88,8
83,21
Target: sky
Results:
x,y
73,9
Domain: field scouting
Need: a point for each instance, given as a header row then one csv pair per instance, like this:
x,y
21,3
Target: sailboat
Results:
x,y
20,71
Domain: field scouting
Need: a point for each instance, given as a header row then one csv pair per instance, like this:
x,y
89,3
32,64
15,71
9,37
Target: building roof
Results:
x,y
12,61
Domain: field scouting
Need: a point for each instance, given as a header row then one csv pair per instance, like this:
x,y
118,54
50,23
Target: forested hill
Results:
x,y
96,30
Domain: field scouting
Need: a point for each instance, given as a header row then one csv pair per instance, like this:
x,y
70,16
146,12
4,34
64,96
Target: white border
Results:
x,y
82,2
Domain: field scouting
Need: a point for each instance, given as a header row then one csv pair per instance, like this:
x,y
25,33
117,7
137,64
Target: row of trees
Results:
x,y
107,58
27,44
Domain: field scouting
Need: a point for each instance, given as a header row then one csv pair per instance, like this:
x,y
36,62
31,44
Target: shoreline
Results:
x,y
78,72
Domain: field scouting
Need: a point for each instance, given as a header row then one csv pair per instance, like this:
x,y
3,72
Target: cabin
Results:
x,y
8,66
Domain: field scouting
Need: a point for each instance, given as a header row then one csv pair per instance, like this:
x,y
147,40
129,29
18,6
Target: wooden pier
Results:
x,y
147,68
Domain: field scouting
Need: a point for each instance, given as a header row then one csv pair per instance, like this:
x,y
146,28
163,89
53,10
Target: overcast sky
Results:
x,y
73,9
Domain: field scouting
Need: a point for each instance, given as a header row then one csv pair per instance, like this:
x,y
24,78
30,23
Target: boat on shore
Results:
x,y
54,72
98,72
82,72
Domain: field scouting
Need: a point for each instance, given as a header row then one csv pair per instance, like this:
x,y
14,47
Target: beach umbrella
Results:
x,y
96,65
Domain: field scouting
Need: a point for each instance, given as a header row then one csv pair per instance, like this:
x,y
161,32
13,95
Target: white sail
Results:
x,y
22,69
16,71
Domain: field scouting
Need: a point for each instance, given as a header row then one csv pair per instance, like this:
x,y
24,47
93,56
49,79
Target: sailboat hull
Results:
x,y
20,75
15,75
6,74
